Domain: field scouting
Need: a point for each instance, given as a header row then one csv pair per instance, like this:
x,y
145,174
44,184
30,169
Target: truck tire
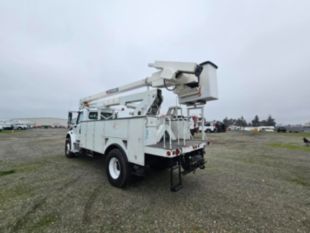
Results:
x,y
117,168
68,152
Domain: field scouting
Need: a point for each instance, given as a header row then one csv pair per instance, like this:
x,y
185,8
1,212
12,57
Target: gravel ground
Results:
x,y
252,183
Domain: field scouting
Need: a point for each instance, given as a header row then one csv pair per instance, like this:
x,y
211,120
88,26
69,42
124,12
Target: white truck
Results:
x,y
209,127
19,125
130,132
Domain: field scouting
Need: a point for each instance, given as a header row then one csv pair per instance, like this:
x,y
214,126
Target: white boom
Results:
x,y
192,82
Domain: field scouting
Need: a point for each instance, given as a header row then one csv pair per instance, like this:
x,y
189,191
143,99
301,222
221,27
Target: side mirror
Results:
x,y
69,123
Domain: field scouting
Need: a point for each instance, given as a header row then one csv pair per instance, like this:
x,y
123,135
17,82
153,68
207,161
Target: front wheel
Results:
x,y
68,152
117,168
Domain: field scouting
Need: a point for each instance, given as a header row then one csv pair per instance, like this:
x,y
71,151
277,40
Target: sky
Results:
x,y
55,52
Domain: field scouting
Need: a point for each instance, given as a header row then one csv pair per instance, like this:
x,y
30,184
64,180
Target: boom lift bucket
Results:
x,y
206,90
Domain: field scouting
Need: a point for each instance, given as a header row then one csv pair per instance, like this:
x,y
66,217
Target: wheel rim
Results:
x,y
67,148
114,168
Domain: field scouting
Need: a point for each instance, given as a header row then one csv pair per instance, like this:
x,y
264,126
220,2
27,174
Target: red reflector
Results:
x,y
168,153
177,151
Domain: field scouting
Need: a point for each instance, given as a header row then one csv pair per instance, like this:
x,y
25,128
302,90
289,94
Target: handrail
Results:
x,y
164,133
184,140
178,138
170,142
165,127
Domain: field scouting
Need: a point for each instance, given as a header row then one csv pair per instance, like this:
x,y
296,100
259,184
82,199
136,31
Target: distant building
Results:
x,y
43,121
307,127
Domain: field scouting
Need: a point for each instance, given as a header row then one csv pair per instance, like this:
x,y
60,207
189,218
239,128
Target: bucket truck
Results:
x,y
143,138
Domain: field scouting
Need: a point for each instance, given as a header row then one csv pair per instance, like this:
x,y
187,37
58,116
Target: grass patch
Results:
x,y
304,134
17,192
5,131
290,147
21,168
300,181
8,172
28,167
44,222
300,134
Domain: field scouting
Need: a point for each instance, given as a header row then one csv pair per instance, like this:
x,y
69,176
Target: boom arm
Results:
x,y
135,85
193,83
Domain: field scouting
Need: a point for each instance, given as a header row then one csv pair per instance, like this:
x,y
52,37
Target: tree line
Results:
x,y
270,121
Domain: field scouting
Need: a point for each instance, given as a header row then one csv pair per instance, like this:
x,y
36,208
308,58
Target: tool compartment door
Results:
x,y
135,143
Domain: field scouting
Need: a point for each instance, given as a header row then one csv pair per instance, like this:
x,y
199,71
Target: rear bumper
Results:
x,y
171,151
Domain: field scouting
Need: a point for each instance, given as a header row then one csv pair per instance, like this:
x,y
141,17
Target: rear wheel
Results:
x,y
117,168
68,152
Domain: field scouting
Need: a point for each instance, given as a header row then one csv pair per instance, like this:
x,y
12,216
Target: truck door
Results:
x,y
77,128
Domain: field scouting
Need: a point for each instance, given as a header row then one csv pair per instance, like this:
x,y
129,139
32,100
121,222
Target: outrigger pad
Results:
x,y
176,188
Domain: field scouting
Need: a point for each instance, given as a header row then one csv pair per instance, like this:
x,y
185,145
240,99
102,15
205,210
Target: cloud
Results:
x,y
52,53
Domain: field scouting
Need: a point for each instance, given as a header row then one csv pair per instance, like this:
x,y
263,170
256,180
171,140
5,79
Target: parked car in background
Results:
x,y
212,127
306,128
7,126
208,127
266,128
19,126
234,128
220,127
295,128
281,129
291,129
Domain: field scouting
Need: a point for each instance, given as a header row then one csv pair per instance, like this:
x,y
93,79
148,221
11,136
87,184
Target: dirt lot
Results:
x,y
252,183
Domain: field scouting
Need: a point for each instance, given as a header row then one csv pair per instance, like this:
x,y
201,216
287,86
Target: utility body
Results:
x,y
130,132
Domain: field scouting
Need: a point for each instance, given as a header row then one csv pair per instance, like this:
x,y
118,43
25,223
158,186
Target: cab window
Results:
x,y
93,116
105,115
